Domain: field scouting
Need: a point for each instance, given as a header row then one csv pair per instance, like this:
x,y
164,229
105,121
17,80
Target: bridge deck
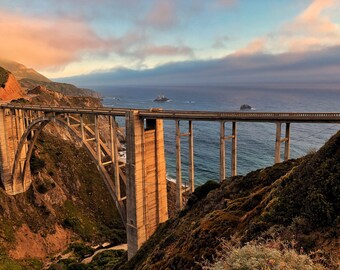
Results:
x,y
302,117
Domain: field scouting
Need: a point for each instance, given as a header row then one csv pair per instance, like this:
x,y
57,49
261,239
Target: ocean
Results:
x,y
256,141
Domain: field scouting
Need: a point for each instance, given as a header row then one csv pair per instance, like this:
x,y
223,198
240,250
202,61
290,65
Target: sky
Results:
x,y
66,38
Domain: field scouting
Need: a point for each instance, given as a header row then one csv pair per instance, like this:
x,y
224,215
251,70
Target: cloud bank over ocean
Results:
x,y
307,68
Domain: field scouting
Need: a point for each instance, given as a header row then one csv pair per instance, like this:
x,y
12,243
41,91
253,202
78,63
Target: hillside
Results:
x,y
9,87
29,79
297,201
42,95
67,206
63,88
20,71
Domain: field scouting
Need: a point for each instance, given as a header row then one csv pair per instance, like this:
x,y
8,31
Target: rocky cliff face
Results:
x,y
29,79
9,86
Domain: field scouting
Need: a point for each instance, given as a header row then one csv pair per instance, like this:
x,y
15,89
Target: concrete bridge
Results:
x,y
138,186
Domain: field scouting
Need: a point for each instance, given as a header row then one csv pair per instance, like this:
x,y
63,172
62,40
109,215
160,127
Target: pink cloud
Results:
x,y
254,47
41,42
311,30
313,21
313,11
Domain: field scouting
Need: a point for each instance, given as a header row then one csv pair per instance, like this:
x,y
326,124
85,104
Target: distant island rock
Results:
x,y
161,98
246,107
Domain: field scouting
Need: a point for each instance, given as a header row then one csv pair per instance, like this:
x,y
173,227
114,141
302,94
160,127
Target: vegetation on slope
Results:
x,y
313,193
296,201
260,256
42,95
67,197
3,77
81,179
106,260
63,88
67,202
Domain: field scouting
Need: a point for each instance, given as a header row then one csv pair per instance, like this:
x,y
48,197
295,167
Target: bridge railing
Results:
x,y
317,117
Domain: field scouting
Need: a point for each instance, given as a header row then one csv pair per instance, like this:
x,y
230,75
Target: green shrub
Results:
x,y
81,250
71,223
107,259
3,77
42,188
256,257
36,164
201,192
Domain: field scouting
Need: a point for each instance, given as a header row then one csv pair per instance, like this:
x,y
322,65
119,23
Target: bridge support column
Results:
x,y
5,157
278,142
223,138
10,134
146,180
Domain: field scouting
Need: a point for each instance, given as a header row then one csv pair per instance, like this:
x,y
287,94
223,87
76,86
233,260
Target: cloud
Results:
x,y
41,42
166,50
307,68
312,29
221,42
254,47
313,11
162,15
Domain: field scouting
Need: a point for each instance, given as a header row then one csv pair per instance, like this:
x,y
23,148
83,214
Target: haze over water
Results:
x,y
256,141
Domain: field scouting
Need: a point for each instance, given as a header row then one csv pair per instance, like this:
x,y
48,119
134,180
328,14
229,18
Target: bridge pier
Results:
x,y
223,138
12,127
180,189
278,142
146,179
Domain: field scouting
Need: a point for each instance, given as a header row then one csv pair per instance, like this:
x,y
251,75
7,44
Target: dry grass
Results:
x,y
273,255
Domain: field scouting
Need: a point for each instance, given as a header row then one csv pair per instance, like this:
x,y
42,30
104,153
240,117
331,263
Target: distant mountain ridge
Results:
x,y
29,79
20,71
64,88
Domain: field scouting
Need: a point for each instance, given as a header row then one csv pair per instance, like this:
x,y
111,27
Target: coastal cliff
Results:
x,y
9,86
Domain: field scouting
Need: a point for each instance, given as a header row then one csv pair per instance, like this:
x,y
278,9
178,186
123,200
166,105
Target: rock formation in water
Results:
x,y
245,107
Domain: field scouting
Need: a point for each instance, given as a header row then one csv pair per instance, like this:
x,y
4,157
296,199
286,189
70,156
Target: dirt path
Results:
x,y
89,259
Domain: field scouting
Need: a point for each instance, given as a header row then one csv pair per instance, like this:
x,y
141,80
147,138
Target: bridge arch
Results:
x,y
27,141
